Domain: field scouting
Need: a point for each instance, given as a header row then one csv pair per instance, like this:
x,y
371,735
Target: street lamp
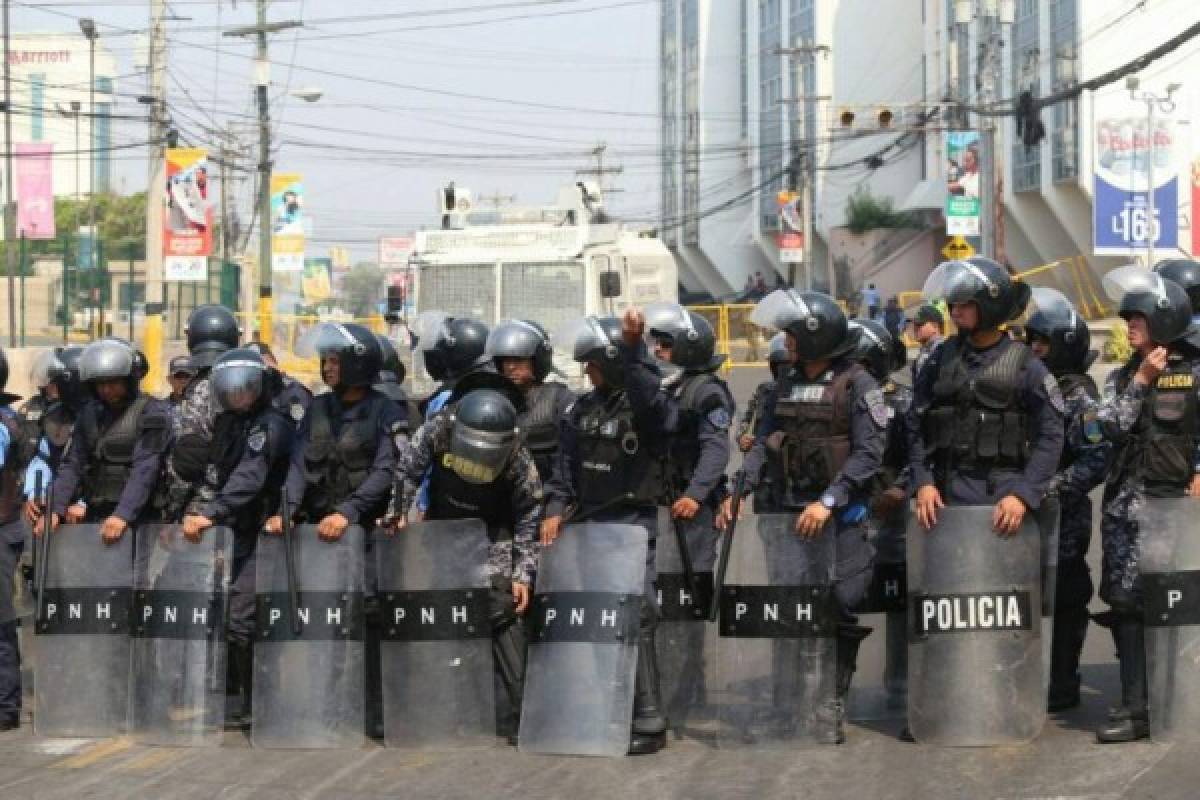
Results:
x,y
309,94
87,27
1166,105
72,111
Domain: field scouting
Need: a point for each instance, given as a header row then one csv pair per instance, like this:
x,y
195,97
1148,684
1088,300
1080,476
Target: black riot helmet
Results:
x,y
109,359
59,367
1163,302
1186,273
393,370
778,355
484,436
359,355
522,338
1056,320
876,349
593,340
814,320
240,381
690,336
6,397
450,346
211,330
983,282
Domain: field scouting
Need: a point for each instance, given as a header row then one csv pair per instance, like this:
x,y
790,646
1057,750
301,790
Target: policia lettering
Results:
x,y
969,613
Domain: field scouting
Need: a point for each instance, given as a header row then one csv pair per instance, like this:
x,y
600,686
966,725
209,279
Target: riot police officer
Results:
x,y
778,359
391,381
12,540
610,469
1150,410
825,427
114,460
986,422
211,331
289,395
1059,336
46,427
179,374
479,469
247,465
522,353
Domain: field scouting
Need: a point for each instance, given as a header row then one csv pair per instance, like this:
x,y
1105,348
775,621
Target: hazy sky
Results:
x,y
507,99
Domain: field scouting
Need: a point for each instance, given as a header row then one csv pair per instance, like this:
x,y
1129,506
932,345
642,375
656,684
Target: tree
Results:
x,y
363,288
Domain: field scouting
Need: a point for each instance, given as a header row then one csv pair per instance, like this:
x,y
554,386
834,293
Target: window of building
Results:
x,y
1026,72
1064,42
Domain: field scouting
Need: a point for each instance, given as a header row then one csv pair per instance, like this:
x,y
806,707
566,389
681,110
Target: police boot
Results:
x,y
241,659
1069,633
832,717
895,665
649,731
1130,722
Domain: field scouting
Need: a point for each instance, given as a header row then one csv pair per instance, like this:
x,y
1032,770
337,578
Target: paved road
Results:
x,y
1064,762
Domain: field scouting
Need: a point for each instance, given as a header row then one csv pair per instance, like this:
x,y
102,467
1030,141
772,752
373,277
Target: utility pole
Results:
x,y
262,80
1164,104
991,23
156,196
599,171
10,227
802,167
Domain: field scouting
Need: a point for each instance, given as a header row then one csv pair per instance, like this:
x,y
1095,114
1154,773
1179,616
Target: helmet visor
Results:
x,y
479,456
106,360
670,319
47,368
1052,310
958,282
1133,279
583,337
329,338
237,384
779,309
513,338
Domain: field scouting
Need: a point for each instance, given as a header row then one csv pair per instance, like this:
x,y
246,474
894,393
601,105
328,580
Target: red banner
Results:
x,y
34,185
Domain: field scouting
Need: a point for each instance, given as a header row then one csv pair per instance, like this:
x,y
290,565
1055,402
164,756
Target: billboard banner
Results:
x,y
35,190
962,183
287,223
1134,153
394,251
318,280
188,221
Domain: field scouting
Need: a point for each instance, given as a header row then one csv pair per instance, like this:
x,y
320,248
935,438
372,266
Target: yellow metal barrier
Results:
x,y
288,331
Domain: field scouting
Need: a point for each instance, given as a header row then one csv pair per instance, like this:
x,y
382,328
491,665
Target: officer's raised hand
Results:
x,y
551,527
332,527
1007,515
194,526
520,593
1152,365
810,523
929,500
633,326
112,528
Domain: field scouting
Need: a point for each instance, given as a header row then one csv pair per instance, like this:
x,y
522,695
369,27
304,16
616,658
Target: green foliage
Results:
x,y
866,212
120,218
363,289
1117,349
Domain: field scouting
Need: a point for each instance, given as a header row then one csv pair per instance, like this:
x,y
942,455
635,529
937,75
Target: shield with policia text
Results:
x,y
975,651
81,650
777,645
583,628
436,636
1170,567
309,679
684,640
180,597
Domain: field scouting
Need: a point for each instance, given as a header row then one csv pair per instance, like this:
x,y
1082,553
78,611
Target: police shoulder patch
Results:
x,y
257,439
720,419
878,407
1053,393
1091,427
297,411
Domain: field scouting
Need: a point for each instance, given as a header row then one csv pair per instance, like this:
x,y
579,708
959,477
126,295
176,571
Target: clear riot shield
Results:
x,y
1170,566
583,629
1049,518
684,641
309,679
81,651
436,636
777,645
180,597
975,655
880,687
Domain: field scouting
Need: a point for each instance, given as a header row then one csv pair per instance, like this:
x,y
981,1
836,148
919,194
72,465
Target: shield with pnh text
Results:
x,y
975,651
81,651
309,680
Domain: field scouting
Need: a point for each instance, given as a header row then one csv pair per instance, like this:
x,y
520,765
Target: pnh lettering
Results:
x,y
333,616
427,615
770,612
577,617
103,610
170,614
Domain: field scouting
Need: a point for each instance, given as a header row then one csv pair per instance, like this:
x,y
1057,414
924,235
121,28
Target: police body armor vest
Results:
x,y
539,425
1163,444
978,421
1068,384
395,392
451,497
617,464
190,454
229,445
337,462
684,451
30,416
110,461
766,492
812,442
10,489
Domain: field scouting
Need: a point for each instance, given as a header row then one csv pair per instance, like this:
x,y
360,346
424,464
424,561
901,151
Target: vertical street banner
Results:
x,y
318,280
287,223
34,184
188,221
1134,154
962,183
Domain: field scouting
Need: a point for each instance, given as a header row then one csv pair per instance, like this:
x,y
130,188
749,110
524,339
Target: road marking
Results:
x,y
151,761
97,752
